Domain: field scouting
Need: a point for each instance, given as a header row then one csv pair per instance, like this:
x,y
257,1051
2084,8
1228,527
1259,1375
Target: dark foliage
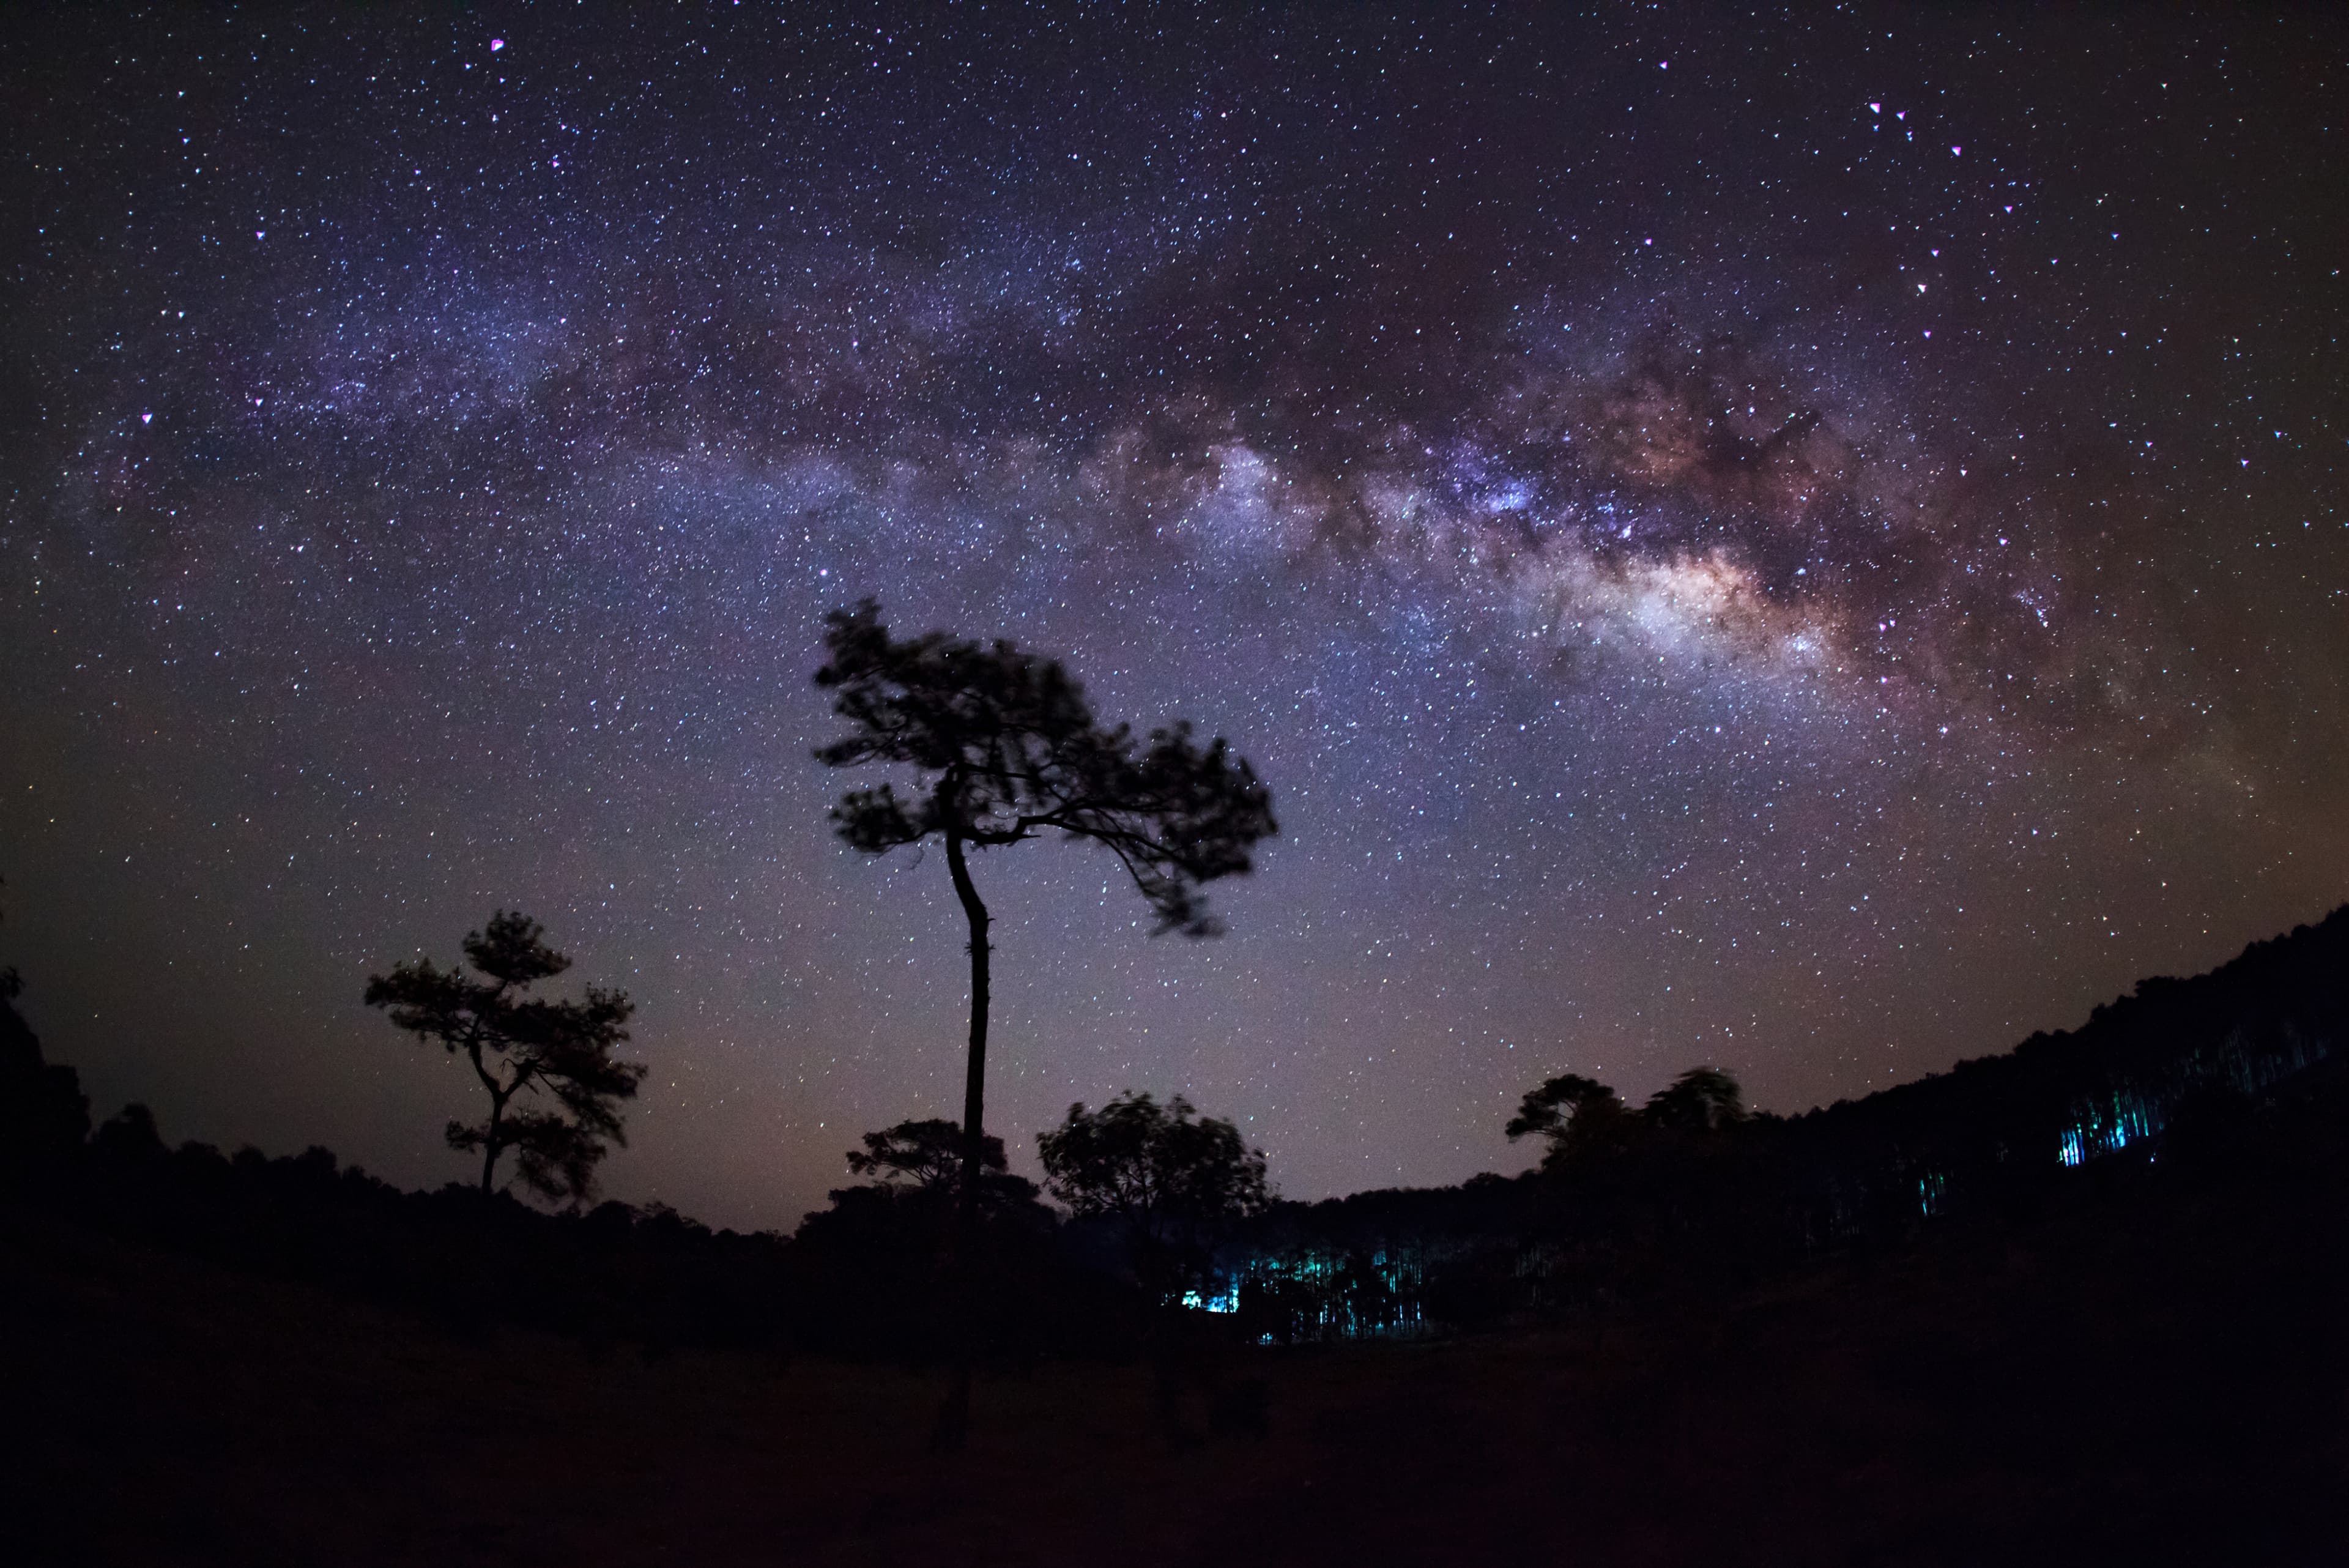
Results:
x,y
462,1259
1005,748
1992,1131
926,1152
879,1262
2148,1372
1692,1194
546,1064
43,1114
1580,1117
1172,1179
1008,748
861,1278
1694,1203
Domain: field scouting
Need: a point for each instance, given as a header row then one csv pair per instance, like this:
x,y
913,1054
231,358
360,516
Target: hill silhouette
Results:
x,y
2170,1066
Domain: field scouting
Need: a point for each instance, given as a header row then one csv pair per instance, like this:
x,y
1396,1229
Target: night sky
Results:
x,y
1813,547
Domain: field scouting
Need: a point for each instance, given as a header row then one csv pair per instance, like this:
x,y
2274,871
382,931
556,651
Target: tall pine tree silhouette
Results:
x,y
1005,748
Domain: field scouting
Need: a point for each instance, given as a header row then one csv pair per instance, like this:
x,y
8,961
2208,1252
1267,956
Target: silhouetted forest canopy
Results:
x,y
2079,1301
1692,1194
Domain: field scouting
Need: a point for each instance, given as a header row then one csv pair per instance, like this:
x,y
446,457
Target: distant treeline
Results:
x,y
1644,1208
860,1280
1628,1205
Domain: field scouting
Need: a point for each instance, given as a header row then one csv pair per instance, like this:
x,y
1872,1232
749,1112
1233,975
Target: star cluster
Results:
x,y
1808,544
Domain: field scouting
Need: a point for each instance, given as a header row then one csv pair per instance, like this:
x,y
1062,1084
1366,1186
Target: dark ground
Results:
x,y
2149,1370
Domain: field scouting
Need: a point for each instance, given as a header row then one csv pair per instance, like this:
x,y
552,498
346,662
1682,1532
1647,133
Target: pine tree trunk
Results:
x,y
491,1143
954,1419
974,1091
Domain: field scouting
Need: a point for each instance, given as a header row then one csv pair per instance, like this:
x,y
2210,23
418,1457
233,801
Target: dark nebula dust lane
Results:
x,y
1813,545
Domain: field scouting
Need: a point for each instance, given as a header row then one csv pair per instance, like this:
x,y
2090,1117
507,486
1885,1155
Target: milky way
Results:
x,y
1811,547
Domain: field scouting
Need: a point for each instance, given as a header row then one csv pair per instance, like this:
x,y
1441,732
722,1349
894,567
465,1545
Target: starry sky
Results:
x,y
1810,545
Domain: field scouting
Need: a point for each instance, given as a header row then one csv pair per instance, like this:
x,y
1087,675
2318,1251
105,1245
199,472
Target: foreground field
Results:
x,y
2152,1376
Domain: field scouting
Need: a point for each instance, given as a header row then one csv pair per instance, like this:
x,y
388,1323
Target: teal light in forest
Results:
x,y
1930,1190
